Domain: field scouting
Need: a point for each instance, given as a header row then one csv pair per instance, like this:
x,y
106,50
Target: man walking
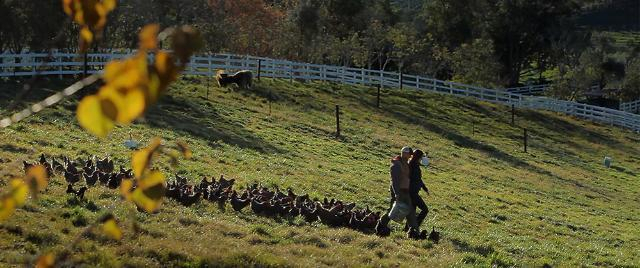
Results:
x,y
400,183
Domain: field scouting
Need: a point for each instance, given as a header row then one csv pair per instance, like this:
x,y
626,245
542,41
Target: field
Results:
x,y
492,202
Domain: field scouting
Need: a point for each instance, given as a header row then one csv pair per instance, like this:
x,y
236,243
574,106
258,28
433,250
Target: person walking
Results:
x,y
399,188
416,184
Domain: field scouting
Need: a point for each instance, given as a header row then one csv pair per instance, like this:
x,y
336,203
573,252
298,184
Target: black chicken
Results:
x,y
91,179
71,178
434,235
238,203
382,227
79,193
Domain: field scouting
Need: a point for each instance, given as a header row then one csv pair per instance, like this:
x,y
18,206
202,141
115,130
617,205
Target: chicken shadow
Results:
x,y
204,121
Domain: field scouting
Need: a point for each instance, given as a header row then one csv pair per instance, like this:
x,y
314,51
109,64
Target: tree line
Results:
x,y
492,43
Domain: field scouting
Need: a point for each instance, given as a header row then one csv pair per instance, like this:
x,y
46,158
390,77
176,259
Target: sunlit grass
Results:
x,y
493,203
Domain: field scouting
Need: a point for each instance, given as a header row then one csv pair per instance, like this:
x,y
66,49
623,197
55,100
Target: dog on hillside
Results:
x,y
242,78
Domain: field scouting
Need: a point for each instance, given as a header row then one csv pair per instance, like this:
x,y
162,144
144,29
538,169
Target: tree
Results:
x,y
631,83
475,63
519,31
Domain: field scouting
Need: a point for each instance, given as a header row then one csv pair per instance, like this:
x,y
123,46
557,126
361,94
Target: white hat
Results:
x,y
406,149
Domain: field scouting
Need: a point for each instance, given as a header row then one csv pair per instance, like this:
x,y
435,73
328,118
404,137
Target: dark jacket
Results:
x,y
415,179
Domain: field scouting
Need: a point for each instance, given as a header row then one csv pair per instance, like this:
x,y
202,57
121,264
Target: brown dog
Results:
x,y
242,78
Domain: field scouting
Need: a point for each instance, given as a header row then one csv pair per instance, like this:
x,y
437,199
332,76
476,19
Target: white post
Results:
x,y
210,69
59,61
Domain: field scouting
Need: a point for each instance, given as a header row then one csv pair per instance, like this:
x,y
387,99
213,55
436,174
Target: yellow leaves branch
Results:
x,y
134,84
34,181
91,15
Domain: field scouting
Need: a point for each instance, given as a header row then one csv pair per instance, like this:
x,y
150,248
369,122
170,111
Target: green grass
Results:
x,y
493,203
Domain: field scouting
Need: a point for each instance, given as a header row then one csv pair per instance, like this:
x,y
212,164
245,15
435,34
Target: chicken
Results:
x,y
309,214
91,179
103,177
434,235
105,165
238,203
42,160
57,166
382,227
27,165
115,180
190,198
262,207
71,178
79,193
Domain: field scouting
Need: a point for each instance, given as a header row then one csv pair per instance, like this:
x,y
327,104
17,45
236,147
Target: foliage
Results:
x,y
475,63
33,182
133,84
91,15
631,82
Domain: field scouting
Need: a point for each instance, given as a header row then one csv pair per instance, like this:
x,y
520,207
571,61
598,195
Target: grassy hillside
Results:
x,y
494,204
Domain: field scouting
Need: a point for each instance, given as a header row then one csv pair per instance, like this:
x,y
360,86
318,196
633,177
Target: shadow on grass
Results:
x,y
205,122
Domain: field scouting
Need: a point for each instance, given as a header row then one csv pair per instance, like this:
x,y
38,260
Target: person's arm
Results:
x,y
395,177
423,186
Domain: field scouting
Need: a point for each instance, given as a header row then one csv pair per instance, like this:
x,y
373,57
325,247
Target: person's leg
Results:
x,y
424,210
411,217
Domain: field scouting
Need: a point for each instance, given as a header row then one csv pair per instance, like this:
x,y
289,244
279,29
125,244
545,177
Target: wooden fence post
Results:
x,y
473,127
337,120
525,140
259,68
378,98
84,72
513,114
401,78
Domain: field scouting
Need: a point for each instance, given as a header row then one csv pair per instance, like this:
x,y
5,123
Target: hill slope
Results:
x,y
493,203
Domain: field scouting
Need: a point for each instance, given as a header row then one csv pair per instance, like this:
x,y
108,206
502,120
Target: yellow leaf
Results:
x,y
111,229
67,5
7,206
46,261
151,188
111,103
128,74
86,35
134,101
184,149
19,191
166,68
149,37
141,159
90,116
36,179
125,189
123,107
109,5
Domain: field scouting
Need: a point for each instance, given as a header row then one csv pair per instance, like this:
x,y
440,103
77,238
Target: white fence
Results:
x,y
529,90
28,64
630,107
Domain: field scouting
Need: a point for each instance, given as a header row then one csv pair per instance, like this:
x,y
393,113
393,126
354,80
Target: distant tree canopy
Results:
x,y
485,42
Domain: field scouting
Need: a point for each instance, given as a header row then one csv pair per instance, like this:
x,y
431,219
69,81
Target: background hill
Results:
x,y
494,204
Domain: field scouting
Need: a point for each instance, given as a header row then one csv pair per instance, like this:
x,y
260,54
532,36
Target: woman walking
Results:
x,y
416,184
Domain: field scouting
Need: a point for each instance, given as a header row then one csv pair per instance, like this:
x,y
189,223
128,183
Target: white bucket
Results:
x,y
399,211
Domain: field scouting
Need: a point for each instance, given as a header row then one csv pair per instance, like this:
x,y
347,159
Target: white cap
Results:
x,y
406,149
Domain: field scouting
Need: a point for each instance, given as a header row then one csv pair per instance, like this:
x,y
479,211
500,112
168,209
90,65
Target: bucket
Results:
x,y
608,161
399,211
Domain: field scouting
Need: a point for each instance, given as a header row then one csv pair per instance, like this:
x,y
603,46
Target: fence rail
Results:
x,y
529,90
631,107
28,64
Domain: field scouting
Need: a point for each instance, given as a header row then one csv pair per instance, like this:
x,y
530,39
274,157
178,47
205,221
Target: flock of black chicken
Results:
x,y
261,200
